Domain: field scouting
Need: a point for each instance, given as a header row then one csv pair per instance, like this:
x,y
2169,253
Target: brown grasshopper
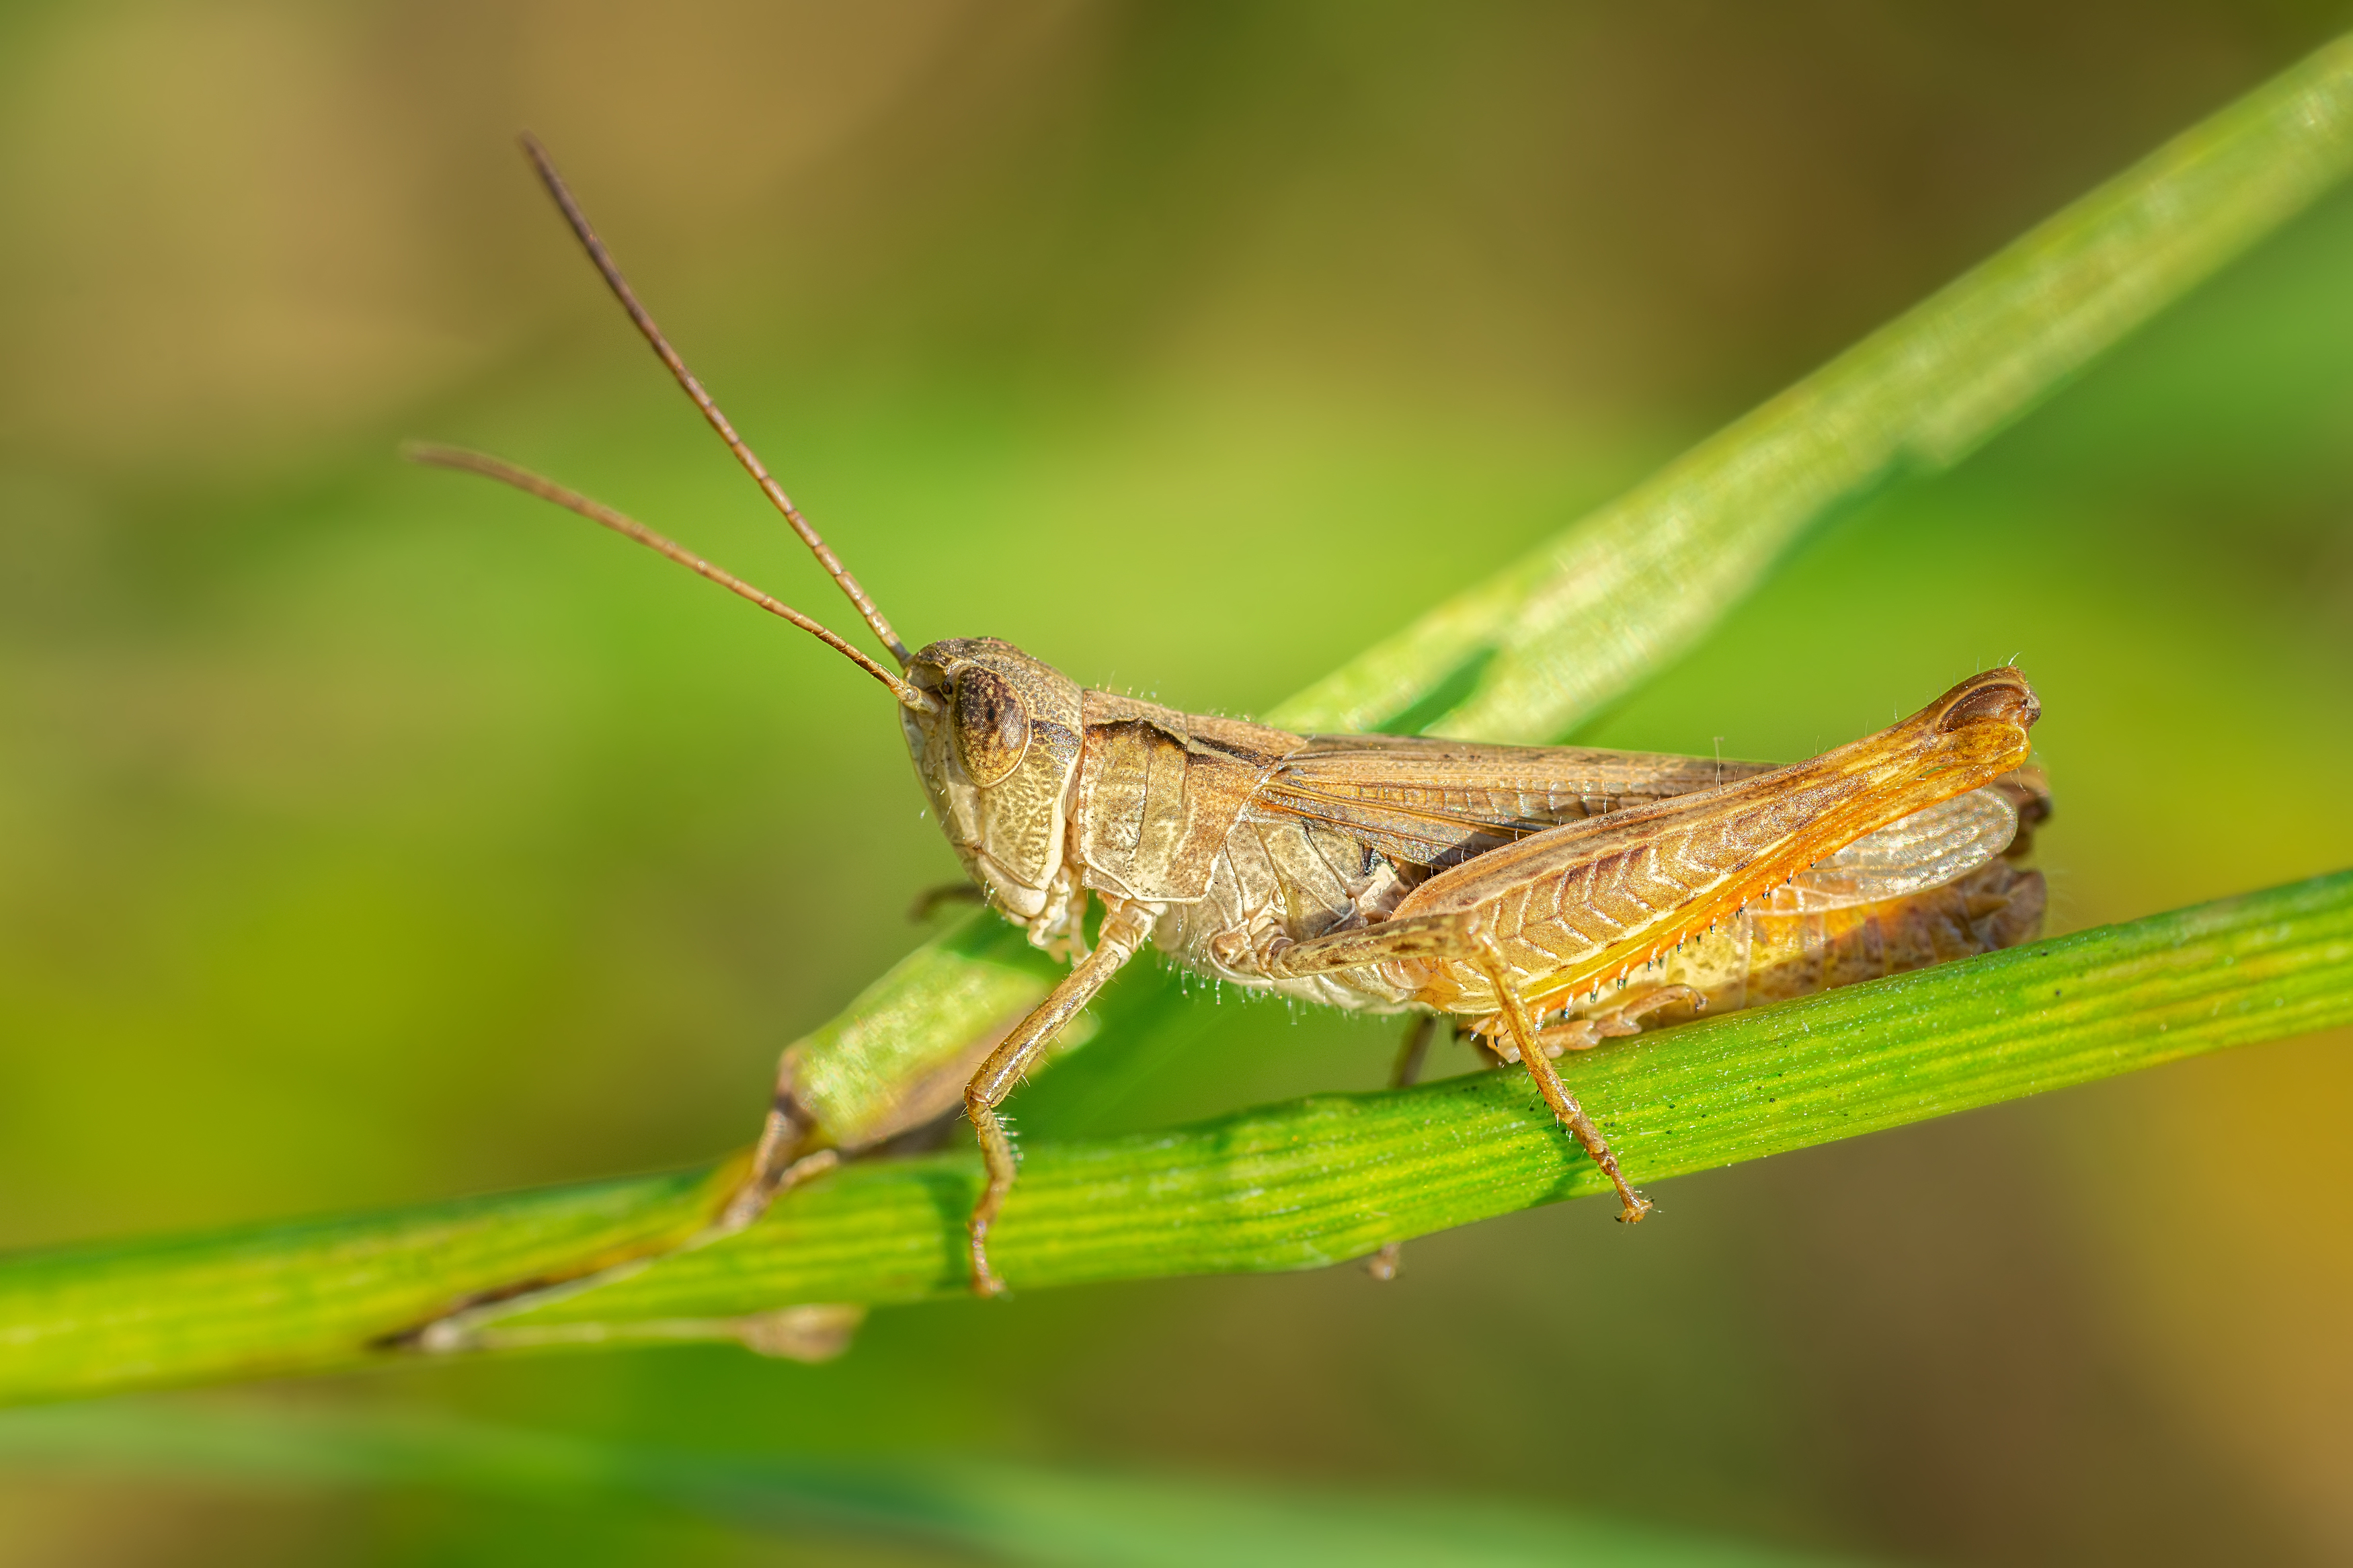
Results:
x,y
1547,897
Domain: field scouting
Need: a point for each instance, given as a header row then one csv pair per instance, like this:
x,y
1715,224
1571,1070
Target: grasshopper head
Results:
x,y
997,750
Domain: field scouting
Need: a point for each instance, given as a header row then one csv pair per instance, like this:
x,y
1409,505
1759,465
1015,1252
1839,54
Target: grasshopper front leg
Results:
x,y
1125,927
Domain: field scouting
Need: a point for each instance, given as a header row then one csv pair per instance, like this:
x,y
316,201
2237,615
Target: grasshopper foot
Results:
x,y
985,1282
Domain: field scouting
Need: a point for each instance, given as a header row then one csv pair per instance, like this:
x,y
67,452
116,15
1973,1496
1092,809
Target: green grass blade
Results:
x,y
1282,1187
1320,1180
1016,1512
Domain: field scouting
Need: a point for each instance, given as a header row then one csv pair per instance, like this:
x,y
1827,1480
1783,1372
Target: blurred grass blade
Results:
x,y
1287,1186
1589,614
1015,1512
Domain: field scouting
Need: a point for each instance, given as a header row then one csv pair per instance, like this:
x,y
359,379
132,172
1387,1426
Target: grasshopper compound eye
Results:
x,y
992,727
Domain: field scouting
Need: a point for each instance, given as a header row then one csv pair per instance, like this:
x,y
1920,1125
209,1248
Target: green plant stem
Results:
x,y
1286,1187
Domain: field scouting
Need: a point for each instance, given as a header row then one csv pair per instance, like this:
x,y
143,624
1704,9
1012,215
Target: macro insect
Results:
x,y
1545,898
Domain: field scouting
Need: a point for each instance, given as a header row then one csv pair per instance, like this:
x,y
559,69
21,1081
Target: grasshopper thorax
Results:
x,y
997,751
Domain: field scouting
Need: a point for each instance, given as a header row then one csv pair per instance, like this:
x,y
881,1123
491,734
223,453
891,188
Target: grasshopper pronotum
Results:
x,y
1544,897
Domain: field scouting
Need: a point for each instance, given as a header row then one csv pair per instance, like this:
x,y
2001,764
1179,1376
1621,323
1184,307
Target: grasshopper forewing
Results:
x,y
1497,885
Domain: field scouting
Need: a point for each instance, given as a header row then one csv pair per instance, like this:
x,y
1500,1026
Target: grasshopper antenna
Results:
x,y
702,400
523,479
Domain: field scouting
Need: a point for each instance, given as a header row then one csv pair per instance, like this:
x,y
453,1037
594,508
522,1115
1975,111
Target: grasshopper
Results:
x,y
1545,898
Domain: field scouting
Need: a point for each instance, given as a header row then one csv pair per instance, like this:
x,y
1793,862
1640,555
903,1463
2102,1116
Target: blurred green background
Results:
x,y
368,835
